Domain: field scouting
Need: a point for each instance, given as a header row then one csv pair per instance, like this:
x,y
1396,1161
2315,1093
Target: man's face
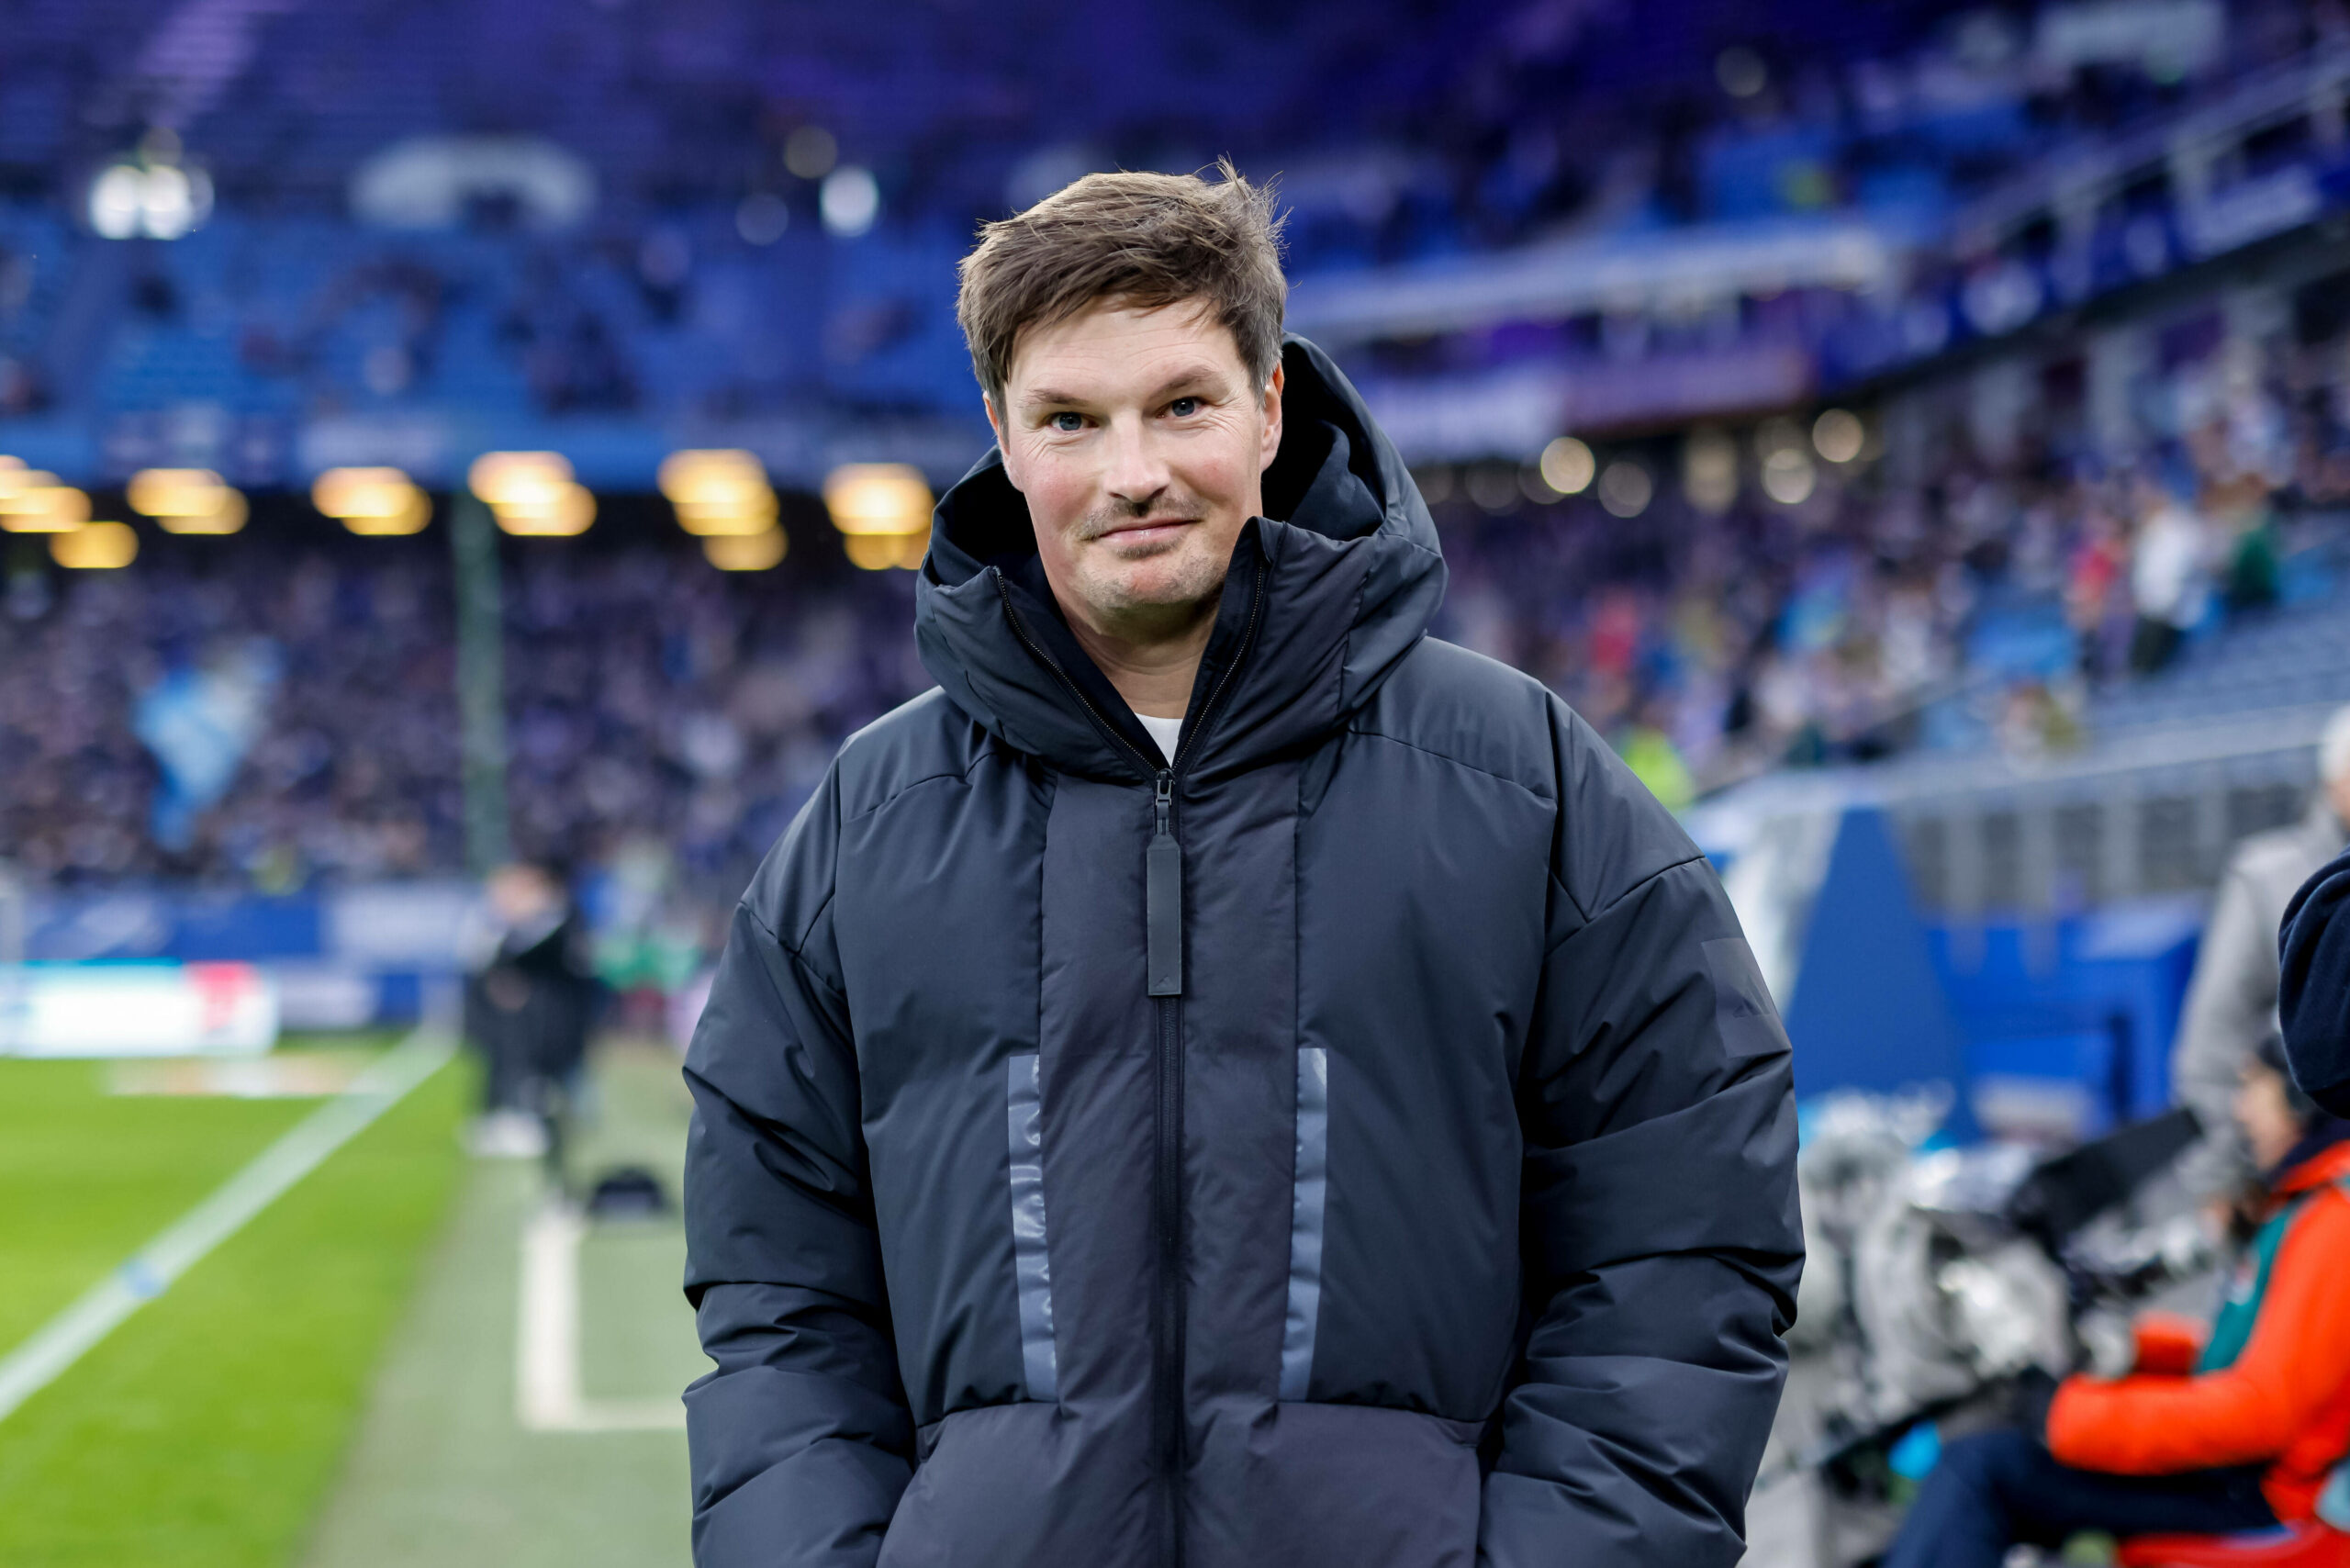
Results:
x,y
1140,444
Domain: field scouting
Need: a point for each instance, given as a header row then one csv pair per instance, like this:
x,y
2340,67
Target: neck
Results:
x,y
1152,663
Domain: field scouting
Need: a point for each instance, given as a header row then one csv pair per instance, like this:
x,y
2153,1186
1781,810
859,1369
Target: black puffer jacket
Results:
x,y
1367,1142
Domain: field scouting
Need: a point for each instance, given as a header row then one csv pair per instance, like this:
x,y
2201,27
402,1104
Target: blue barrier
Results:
x,y
2054,1028
343,957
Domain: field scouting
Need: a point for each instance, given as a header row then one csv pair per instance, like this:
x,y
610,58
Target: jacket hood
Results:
x,y
1326,595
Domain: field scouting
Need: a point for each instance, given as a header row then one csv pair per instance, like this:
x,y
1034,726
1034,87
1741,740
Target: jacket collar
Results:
x,y
1318,608
2307,1167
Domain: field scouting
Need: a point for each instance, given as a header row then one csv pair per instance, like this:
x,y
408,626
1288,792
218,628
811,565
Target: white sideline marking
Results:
x,y
149,1272
547,1396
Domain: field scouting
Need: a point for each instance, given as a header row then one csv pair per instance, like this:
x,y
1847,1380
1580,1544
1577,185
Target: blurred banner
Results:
x,y
138,1009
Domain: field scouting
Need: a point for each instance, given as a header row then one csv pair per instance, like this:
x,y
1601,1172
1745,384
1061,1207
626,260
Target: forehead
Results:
x,y
1112,347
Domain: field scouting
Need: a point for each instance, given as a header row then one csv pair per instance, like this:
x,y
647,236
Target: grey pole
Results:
x,y
13,921
481,682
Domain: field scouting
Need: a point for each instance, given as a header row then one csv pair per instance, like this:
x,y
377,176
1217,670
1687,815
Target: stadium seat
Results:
x,y
2309,1544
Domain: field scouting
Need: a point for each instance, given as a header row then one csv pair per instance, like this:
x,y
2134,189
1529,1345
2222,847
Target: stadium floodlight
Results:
x,y
372,501
1568,465
877,498
95,546
32,501
850,200
1788,477
879,552
1741,72
1837,436
745,552
1624,489
1709,470
532,493
157,199
810,152
762,217
718,493
565,510
188,500
882,510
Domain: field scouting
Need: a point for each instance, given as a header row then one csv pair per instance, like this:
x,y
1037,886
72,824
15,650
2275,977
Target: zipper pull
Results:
x,y
1163,893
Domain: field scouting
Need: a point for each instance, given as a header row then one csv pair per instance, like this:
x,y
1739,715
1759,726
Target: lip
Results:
x,y
1150,530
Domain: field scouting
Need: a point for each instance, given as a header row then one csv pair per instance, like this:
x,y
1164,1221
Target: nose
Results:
x,y
1136,471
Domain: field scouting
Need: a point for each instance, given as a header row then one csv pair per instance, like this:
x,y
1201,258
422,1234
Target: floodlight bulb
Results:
x,y
1568,465
118,199
745,552
1837,436
40,505
810,152
518,478
167,203
1624,489
850,200
1788,477
558,513
1709,470
96,546
372,501
877,498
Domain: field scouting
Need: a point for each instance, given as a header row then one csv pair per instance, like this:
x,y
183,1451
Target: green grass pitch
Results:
x,y
204,1431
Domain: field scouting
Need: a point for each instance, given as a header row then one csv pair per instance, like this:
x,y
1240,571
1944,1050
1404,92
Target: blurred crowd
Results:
x,y
650,699
247,712
699,286
235,710
1946,590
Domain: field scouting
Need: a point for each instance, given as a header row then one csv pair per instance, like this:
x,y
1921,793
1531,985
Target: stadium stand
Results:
x,y
1853,211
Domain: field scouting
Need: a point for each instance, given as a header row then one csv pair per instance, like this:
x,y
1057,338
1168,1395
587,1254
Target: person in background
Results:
x,y
2232,1003
528,1006
2170,575
2313,991
2233,1429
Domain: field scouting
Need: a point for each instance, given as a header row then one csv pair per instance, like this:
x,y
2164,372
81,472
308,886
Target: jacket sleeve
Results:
x,y
2296,1363
2168,1345
800,1438
2230,1002
1659,1234
2313,996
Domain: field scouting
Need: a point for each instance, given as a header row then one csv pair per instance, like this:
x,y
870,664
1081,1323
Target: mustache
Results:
x,y
1166,504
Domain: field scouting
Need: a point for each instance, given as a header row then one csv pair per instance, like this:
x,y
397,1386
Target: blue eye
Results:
x,y
1183,407
1065,421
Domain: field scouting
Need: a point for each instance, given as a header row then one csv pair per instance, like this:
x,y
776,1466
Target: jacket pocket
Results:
x,y
1019,1486
1339,1486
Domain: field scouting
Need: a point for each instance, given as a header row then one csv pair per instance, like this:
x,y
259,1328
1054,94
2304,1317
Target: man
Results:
x,y
2231,1002
528,1004
1226,1080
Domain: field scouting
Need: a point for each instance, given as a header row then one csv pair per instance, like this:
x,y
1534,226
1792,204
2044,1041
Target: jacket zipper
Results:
x,y
1163,968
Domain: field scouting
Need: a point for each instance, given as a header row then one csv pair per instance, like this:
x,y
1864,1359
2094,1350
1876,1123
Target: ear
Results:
x,y
995,423
1272,437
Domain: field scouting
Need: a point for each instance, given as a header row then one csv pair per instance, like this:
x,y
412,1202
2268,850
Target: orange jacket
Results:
x,y
2284,1401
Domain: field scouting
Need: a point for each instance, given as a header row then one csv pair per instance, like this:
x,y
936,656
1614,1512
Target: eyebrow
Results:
x,y
1191,376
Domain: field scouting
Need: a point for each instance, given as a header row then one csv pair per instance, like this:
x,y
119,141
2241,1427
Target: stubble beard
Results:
x,y
1177,575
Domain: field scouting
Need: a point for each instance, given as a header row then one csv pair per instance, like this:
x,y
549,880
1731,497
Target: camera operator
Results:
x,y
2236,1433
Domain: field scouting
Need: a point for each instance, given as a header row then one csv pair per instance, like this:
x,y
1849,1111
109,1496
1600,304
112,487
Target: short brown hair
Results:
x,y
1150,240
